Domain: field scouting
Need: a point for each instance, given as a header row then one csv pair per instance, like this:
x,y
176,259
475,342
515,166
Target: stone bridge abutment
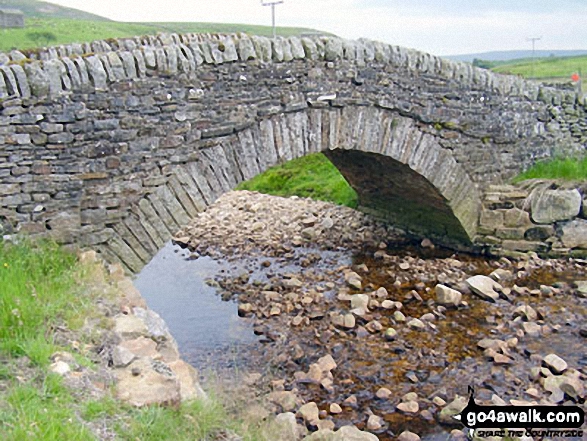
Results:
x,y
118,145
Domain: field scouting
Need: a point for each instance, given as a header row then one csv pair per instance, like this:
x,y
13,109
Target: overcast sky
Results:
x,y
442,27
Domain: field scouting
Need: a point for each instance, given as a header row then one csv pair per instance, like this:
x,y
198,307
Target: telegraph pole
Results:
x,y
272,3
533,40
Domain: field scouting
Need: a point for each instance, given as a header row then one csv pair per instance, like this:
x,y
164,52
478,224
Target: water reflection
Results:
x,y
207,329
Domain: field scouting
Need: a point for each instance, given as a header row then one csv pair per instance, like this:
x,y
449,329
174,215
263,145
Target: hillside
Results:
x,y
551,67
55,31
47,24
512,55
38,9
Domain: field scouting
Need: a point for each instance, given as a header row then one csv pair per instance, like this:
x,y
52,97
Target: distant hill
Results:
x,y
47,24
38,9
514,55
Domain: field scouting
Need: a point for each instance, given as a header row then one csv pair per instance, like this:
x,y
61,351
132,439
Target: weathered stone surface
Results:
x,y
351,433
555,363
309,413
154,384
484,287
447,296
574,234
406,435
129,326
453,408
555,205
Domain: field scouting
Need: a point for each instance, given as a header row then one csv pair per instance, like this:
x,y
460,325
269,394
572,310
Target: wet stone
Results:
x,y
555,363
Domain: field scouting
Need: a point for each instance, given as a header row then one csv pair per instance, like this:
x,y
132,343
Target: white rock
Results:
x,y
556,364
484,287
447,296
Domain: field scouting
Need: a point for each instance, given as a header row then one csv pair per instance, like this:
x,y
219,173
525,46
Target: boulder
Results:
x,y
550,206
574,234
309,412
484,287
146,382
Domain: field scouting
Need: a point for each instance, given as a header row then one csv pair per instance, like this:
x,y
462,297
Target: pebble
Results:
x,y
390,334
309,412
350,401
399,316
556,364
335,408
416,324
383,393
374,423
439,401
410,407
408,436
60,368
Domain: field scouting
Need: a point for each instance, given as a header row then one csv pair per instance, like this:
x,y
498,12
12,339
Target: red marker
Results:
x,y
575,77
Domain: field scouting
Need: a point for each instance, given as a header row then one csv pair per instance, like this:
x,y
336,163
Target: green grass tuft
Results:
x,y
41,412
311,176
569,169
36,284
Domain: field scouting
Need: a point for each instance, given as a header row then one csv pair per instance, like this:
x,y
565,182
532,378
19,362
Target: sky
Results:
x,y
441,27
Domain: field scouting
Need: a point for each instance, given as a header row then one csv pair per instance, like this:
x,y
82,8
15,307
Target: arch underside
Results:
x,y
394,192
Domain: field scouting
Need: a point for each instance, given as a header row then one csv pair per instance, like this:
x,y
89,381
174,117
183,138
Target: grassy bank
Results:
x,y
45,297
311,176
55,31
569,169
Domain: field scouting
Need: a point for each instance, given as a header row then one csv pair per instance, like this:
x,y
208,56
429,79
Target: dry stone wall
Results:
x,y
540,216
117,144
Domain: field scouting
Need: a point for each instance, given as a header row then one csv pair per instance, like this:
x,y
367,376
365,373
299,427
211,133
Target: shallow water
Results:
x,y
211,335
203,325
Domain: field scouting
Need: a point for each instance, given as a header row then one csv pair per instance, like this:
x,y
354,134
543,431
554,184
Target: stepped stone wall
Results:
x,y
540,216
117,144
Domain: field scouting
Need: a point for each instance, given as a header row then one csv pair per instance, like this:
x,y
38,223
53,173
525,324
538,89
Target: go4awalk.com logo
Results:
x,y
533,421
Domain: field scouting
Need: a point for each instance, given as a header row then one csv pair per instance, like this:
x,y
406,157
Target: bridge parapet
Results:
x,y
57,70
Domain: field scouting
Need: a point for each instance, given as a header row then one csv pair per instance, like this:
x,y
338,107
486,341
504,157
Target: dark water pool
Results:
x,y
208,330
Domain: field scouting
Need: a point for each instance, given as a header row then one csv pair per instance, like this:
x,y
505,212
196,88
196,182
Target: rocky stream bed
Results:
x,y
359,326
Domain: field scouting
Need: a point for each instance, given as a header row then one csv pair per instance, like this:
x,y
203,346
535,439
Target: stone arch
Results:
x,y
353,137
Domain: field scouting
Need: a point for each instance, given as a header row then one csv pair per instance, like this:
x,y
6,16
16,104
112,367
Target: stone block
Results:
x,y
491,219
515,217
550,206
574,234
524,246
510,233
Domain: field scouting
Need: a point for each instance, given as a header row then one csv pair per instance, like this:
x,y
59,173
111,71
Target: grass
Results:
x,y
311,176
44,288
569,169
36,286
549,67
79,31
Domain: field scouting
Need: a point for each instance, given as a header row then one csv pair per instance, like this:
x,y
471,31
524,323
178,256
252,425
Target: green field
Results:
x,y
550,67
65,30
311,176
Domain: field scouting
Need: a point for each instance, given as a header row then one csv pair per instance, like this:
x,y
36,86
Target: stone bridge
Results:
x,y
116,144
